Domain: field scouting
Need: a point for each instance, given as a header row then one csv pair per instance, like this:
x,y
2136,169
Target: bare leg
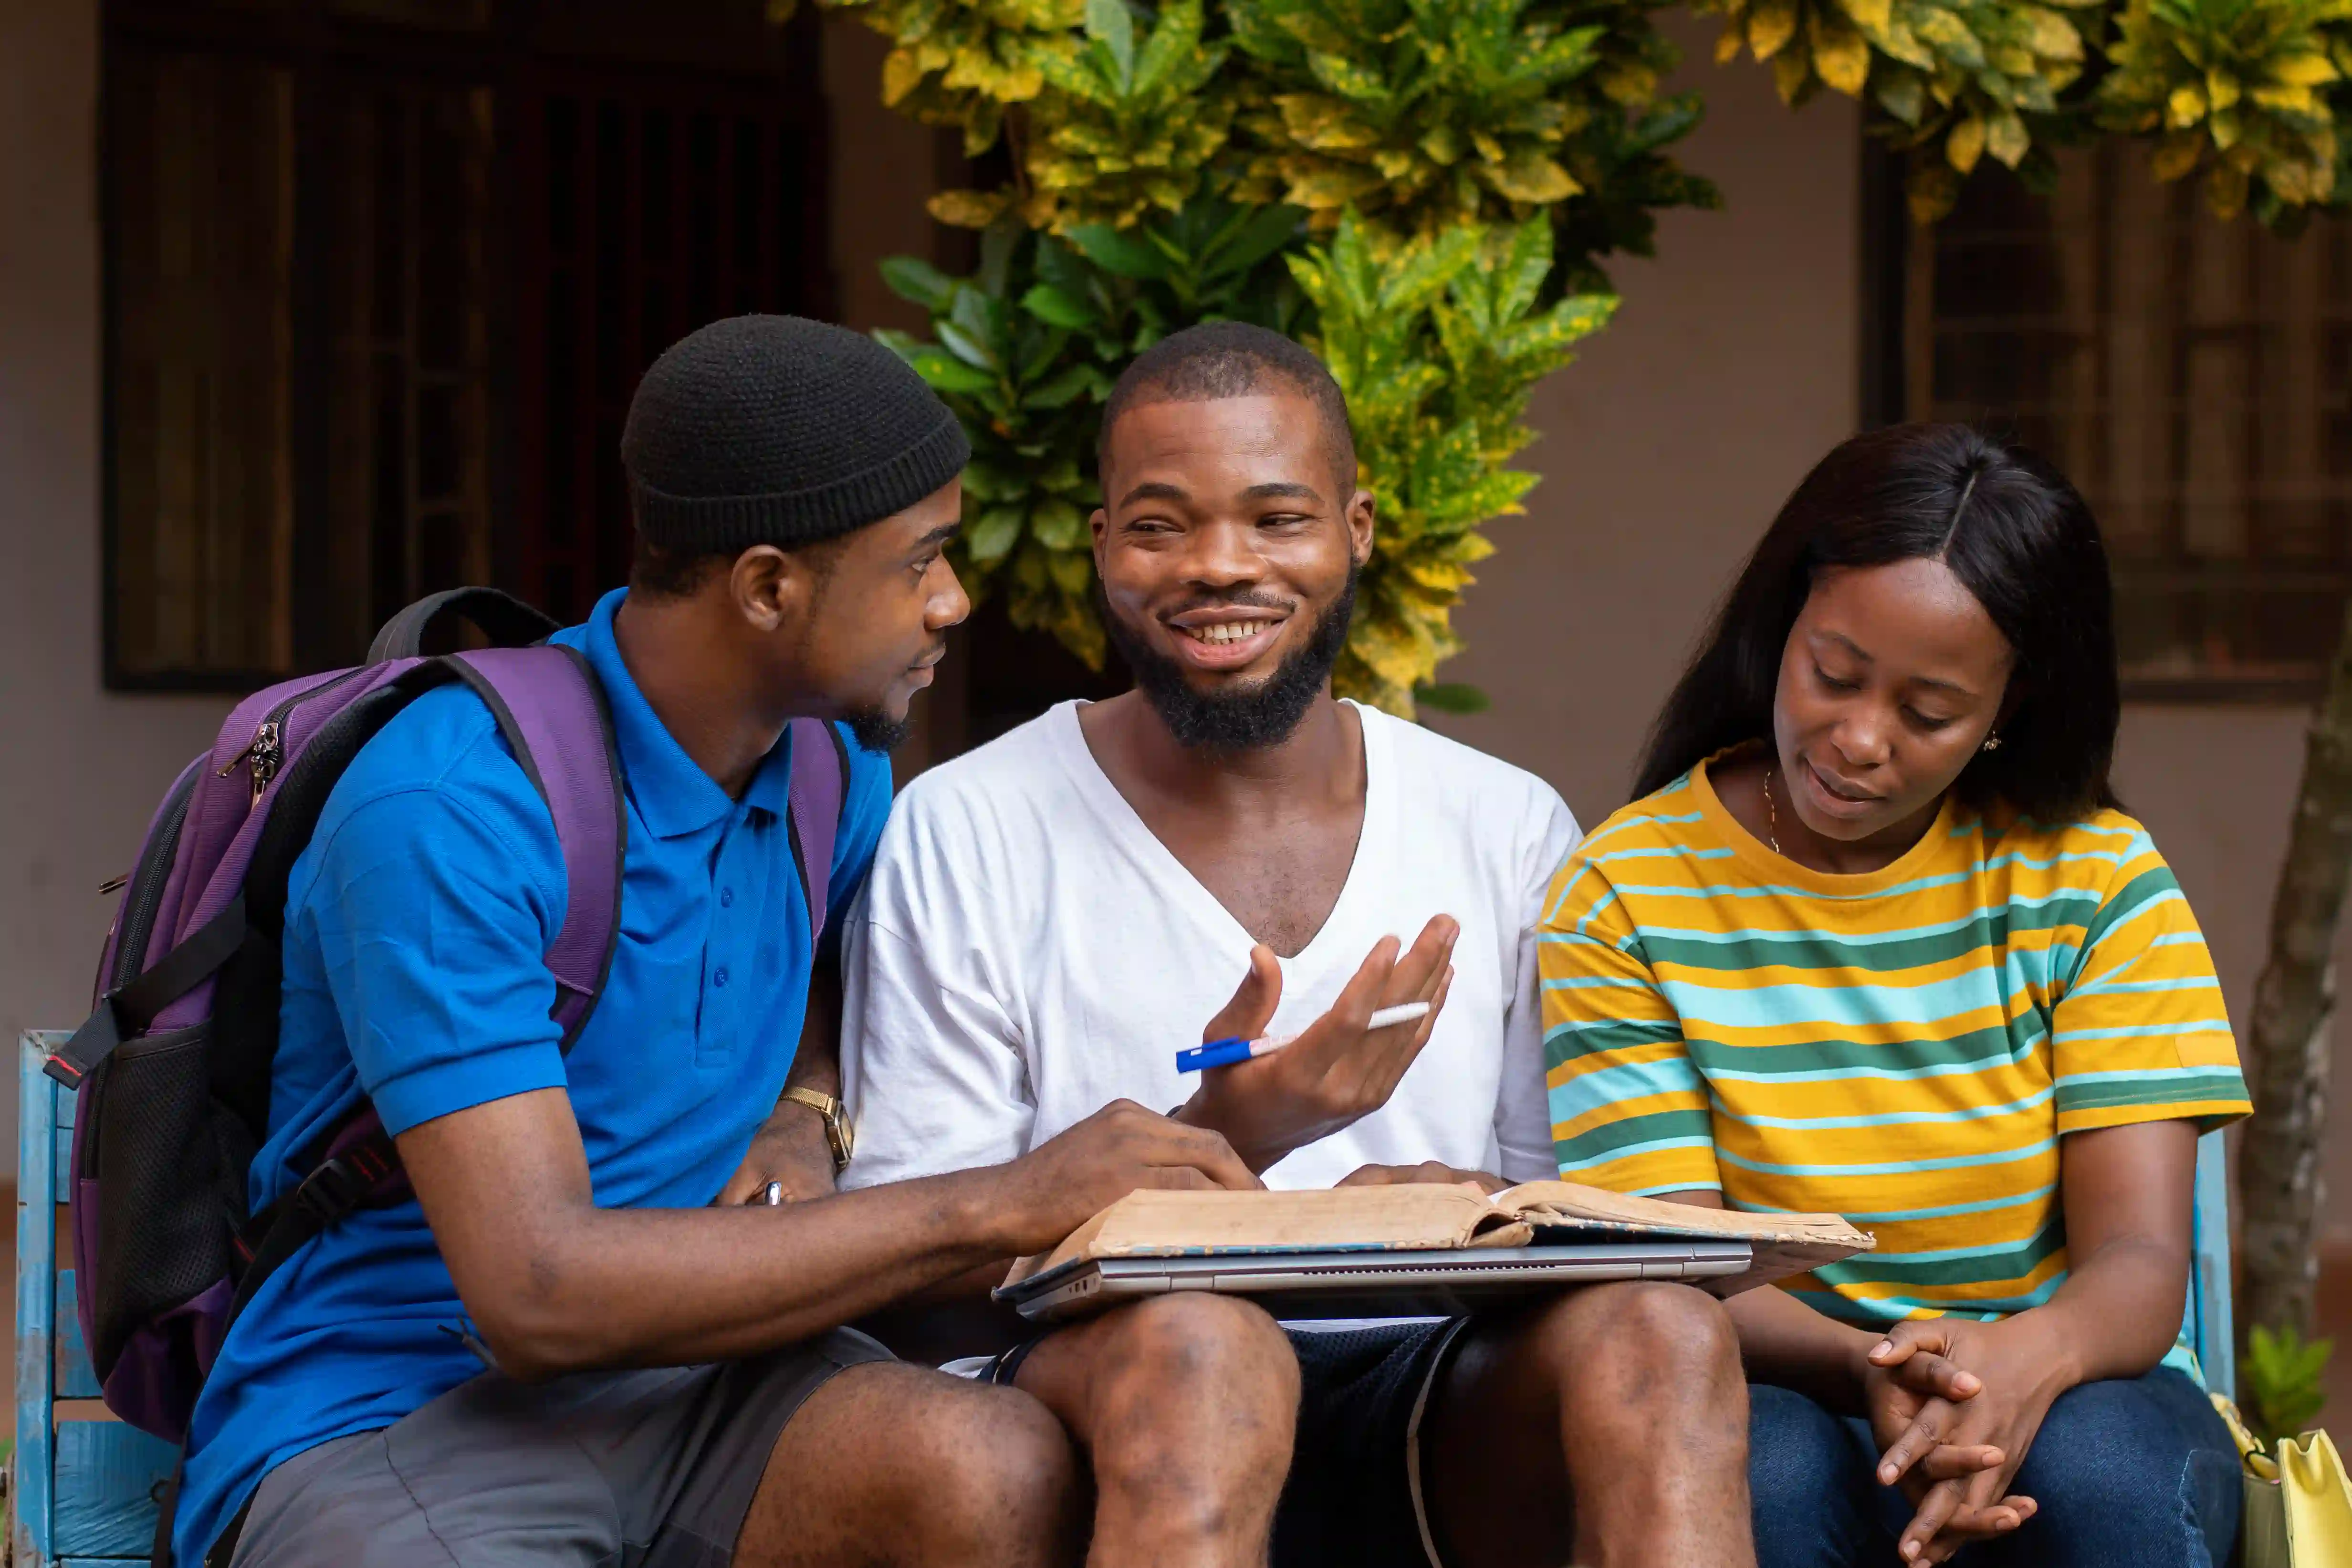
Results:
x,y
1608,1428
900,1467
1186,1406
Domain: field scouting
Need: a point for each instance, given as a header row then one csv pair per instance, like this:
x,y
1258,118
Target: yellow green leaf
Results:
x,y
1791,69
1966,144
1770,25
2006,137
2175,156
2304,71
1870,15
2225,191
901,72
2053,37
1841,54
967,209
1529,176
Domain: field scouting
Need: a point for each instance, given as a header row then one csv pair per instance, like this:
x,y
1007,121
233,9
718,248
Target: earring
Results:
x,y
1992,744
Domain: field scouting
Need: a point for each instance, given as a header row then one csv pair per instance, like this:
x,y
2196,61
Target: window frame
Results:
x,y
1895,332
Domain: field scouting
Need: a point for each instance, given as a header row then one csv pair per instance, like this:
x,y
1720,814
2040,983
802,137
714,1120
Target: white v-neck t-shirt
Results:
x,y
1027,950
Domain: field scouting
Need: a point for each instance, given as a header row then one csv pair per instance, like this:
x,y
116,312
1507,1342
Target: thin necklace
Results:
x,y
1771,813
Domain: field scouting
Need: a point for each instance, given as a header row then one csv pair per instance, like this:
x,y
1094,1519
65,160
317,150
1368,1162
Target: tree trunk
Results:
x,y
2279,1178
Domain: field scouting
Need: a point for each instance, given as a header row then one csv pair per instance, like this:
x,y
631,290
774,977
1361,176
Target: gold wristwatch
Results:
x,y
839,1136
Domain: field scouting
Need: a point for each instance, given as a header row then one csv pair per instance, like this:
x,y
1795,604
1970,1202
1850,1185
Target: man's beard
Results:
x,y
1248,721
874,728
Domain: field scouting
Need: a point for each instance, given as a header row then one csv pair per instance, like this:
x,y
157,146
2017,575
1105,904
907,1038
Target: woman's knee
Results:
x,y
2119,1474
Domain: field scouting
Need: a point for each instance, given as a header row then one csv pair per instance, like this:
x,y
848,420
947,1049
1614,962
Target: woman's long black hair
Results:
x,y
2011,528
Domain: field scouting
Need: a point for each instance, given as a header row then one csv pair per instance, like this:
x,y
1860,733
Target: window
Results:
x,y
2193,377
381,277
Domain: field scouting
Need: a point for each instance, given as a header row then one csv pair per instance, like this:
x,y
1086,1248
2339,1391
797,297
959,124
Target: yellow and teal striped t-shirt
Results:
x,y
1904,1048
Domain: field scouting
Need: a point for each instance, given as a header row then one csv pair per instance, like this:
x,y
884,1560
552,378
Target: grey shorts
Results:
x,y
629,1469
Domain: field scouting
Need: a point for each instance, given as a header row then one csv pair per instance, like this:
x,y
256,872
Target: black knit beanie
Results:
x,y
780,430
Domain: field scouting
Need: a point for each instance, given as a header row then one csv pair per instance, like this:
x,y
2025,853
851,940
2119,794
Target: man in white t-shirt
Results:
x,y
1050,917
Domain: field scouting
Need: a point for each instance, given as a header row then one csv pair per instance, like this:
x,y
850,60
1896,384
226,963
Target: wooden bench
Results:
x,y
83,1492
83,1487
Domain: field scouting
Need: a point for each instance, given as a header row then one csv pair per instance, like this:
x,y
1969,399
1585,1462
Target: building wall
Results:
x,y
84,768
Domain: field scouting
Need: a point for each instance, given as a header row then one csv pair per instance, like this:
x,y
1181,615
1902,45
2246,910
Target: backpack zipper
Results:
x,y
266,753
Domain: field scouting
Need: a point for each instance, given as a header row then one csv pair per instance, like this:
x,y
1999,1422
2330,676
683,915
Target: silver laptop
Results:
x,y
1372,1284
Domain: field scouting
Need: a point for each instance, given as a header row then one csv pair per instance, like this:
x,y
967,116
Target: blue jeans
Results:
x,y
2133,1473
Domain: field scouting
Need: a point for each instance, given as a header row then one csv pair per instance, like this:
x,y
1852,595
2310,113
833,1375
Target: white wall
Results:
x,y
1666,448
83,768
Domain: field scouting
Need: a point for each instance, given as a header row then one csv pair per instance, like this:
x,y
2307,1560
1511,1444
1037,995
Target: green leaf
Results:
x,y
1118,253
1054,308
945,372
961,344
1110,24
1064,389
1268,231
1177,35
917,280
994,535
1452,697
1057,524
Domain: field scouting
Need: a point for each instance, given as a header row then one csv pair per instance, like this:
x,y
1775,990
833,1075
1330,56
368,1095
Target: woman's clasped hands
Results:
x,y
1955,1404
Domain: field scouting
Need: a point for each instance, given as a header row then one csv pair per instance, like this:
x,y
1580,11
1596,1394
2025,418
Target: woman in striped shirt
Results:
x,y
1877,940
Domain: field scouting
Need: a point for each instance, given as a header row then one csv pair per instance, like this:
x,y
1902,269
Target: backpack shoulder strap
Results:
x,y
506,620
819,793
551,708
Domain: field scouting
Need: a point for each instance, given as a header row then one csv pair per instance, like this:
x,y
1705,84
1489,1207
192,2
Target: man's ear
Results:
x,y
1360,530
770,588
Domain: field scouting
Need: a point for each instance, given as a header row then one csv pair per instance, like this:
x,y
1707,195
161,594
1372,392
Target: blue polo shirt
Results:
x,y
417,924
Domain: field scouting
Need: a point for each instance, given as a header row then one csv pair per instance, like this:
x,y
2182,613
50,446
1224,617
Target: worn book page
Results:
x,y
1428,1216
1568,1201
1154,1224
1780,1244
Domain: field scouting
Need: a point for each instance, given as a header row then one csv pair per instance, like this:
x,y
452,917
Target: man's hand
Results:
x,y
789,1149
1066,1180
1337,1072
1953,1438
1429,1171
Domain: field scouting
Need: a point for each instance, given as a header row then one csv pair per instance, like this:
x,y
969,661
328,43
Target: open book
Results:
x,y
1432,1216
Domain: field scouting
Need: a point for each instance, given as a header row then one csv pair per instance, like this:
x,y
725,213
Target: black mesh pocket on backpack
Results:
x,y
171,1166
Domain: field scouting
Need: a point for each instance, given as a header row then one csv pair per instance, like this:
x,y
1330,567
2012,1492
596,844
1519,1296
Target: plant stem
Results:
x,y
2278,1175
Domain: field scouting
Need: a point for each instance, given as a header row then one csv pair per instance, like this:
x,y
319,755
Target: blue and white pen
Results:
x,y
1226,1053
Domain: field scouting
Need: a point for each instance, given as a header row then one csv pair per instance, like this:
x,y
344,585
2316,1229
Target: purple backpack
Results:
x,y
172,1069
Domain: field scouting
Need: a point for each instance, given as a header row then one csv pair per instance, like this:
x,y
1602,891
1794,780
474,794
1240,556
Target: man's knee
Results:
x,y
1202,1350
1640,1344
952,1471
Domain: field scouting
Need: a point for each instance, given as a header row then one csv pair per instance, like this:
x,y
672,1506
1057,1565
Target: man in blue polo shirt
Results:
x,y
448,1379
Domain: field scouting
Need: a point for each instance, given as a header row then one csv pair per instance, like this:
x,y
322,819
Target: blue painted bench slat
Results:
x,y
76,1377
110,1481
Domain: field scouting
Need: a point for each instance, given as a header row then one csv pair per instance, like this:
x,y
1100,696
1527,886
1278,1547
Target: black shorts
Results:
x,y
633,1469
1354,1495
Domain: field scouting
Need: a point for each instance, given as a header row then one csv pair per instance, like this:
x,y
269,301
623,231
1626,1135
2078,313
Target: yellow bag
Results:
x,y
2298,1510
